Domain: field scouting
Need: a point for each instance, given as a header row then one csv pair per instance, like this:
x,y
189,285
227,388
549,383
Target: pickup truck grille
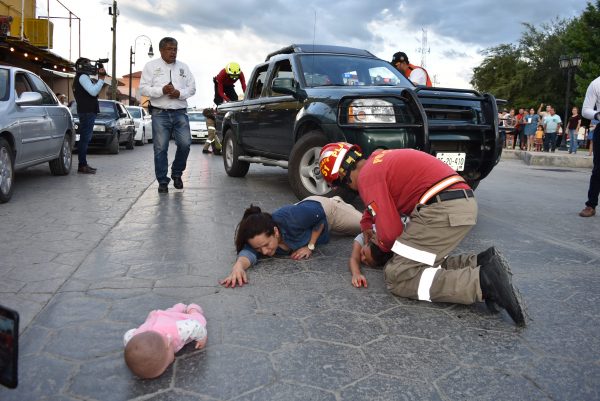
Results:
x,y
467,115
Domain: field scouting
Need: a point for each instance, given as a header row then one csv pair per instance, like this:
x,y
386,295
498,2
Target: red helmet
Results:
x,y
338,157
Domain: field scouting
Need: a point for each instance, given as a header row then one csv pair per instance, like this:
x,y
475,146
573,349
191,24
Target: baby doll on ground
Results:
x,y
151,348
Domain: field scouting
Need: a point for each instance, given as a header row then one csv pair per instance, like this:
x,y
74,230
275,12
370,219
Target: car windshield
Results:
x,y
135,112
4,84
196,117
107,109
336,70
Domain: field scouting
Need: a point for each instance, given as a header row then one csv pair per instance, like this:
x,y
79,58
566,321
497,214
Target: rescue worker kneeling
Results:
x,y
442,210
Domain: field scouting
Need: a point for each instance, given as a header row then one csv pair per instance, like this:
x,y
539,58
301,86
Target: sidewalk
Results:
x,y
560,158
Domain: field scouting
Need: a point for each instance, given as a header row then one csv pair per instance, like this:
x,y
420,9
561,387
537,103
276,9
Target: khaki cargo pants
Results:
x,y
433,232
342,217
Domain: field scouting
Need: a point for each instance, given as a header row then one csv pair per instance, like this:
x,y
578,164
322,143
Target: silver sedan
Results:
x,y
34,127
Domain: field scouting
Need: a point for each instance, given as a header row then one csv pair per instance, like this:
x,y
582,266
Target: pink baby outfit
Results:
x,y
175,324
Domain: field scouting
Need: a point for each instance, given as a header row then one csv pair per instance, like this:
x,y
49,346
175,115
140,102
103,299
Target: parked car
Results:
x,y
113,127
143,124
305,96
34,127
198,126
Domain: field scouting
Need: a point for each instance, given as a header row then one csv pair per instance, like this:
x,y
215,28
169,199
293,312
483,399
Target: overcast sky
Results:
x,y
213,33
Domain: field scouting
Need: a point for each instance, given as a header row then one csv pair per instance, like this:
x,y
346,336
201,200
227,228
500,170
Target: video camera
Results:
x,y
90,67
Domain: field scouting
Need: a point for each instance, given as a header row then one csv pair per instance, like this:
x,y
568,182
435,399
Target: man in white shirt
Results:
x,y
591,111
168,83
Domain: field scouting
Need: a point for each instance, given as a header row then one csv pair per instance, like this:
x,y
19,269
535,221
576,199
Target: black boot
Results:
x,y
496,286
486,255
483,259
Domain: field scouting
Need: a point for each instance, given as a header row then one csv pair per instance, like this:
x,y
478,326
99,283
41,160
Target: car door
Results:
x,y
278,113
248,116
59,118
33,124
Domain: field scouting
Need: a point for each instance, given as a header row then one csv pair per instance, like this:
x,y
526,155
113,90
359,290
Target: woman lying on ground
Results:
x,y
293,230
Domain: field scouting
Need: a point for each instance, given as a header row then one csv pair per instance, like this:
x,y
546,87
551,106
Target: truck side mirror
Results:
x,y
284,86
287,86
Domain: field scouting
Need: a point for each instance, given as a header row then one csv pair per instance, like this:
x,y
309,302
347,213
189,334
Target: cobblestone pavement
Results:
x,y
84,258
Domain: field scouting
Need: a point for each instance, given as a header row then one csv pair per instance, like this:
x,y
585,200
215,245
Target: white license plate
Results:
x,y
454,160
76,137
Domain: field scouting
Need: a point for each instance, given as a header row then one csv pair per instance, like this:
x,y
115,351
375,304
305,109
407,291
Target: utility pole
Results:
x,y
424,49
114,11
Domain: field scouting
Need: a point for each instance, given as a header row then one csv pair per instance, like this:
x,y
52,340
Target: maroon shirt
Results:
x,y
573,121
390,185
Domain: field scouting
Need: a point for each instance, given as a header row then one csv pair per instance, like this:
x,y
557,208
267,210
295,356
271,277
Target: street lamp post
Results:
x,y
132,50
569,64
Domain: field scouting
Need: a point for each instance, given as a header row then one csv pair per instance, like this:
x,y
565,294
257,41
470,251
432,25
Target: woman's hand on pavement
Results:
x,y
236,277
302,253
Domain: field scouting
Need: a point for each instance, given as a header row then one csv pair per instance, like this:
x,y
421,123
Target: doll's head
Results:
x,y
148,354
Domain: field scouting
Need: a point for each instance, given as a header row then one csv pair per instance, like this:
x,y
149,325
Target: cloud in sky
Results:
x,y
210,34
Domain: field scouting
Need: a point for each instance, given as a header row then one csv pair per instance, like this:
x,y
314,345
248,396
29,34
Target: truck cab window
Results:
x,y
283,69
258,82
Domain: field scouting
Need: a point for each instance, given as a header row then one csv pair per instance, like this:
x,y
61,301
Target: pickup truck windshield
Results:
x,y
339,70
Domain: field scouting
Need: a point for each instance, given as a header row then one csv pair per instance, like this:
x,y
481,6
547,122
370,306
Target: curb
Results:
x,y
557,159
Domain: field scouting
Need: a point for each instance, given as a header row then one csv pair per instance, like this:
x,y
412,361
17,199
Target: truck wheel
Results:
x,y
113,148
231,152
131,141
7,173
303,169
473,184
62,164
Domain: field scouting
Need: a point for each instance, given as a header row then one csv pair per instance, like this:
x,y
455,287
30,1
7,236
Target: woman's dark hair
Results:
x,y
380,257
254,222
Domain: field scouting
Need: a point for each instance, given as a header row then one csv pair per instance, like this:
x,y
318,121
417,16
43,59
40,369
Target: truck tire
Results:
x,y
7,173
303,168
231,152
113,148
62,164
130,142
473,184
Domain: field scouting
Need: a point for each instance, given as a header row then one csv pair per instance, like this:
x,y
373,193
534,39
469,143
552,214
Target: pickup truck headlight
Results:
x,y
379,111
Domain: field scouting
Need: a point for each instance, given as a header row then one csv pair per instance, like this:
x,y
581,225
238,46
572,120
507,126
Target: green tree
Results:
x,y
527,73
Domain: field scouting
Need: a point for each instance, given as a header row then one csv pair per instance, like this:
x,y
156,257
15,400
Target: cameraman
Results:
x,y
86,92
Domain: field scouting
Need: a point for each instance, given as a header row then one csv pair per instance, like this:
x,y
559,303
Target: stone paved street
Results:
x,y
85,258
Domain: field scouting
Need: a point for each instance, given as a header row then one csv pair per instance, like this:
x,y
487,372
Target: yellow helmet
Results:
x,y
233,69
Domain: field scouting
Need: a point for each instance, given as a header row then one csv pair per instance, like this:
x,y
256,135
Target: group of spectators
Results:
x,y
542,130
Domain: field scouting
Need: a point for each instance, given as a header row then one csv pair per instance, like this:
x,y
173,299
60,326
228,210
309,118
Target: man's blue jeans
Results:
x,y
86,128
165,122
573,144
549,141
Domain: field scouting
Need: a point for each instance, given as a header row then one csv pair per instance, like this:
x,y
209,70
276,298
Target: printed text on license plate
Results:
x,y
454,160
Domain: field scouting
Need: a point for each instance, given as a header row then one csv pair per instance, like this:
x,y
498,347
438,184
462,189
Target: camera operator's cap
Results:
x,y
399,57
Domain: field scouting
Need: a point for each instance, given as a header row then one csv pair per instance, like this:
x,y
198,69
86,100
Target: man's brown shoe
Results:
x,y
588,211
86,170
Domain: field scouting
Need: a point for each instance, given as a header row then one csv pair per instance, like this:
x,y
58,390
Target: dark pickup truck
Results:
x,y
305,96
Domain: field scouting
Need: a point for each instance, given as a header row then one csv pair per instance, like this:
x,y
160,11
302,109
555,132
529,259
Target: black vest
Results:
x,y
86,103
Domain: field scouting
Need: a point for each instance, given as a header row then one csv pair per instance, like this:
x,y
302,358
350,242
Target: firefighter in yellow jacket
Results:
x,y
212,139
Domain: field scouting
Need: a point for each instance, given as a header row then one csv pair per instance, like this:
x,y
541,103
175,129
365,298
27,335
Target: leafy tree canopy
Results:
x,y
527,73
